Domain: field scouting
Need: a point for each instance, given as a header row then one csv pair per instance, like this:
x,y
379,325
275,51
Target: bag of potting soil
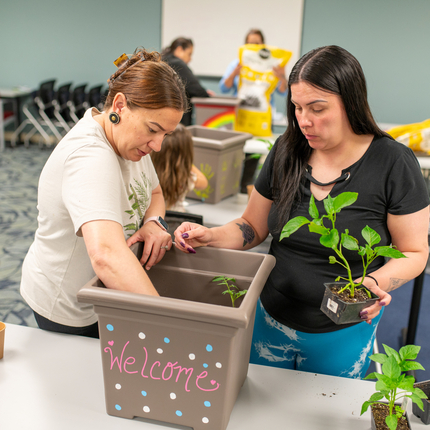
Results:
x,y
416,136
256,85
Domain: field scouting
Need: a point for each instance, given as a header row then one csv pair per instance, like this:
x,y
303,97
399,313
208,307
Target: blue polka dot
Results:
x,y
166,340
208,404
109,327
209,348
179,413
118,407
205,365
144,393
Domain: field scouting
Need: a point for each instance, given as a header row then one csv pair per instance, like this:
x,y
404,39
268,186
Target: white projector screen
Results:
x,y
218,28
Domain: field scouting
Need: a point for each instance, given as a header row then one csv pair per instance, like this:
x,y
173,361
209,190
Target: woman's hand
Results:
x,y
189,236
156,243
371,312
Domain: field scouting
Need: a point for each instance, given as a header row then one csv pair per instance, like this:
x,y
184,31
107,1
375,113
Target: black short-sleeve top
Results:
x,y
388,179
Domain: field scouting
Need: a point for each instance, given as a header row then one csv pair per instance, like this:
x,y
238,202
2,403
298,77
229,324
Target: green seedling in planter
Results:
x,y
232,289
392,384
330,237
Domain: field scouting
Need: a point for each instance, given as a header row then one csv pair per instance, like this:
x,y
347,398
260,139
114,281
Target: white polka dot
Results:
x,y
142,335
205,420
118,386
192,357
219,365
146,409
159,350
173,396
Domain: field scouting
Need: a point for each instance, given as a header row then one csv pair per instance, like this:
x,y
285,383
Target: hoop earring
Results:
x,y
114,118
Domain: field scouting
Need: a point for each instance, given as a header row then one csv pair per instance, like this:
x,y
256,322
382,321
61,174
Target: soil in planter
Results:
x,y
380,412
360,295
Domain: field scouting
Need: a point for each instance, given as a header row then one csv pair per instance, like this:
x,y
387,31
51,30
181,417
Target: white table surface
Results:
x,y
52,381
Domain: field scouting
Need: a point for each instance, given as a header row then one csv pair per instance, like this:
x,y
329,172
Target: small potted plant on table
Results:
x,y
342,300
394,385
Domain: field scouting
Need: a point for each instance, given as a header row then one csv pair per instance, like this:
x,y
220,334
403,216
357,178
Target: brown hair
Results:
x,y
182,42
254,31
147,82
173,164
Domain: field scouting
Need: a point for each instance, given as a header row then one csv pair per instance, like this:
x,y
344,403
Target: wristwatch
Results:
x,y
159,220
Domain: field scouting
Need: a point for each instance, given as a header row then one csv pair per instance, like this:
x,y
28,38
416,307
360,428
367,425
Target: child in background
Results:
x,y
175,168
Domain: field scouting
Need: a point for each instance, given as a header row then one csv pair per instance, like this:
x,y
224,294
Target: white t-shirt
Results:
x,y
83,180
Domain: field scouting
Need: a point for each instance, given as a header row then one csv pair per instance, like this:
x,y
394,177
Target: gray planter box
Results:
x,y
180,358
219,155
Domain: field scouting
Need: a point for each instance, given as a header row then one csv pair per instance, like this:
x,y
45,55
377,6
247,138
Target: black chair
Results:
x,y
94,97
78,102
40,113
175,219
61,106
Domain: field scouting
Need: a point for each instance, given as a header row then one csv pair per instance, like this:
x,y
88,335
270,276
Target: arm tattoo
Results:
x,y
395,283
247,233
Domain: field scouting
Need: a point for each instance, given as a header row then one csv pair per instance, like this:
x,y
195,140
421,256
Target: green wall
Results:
x,y
391,40
72,40
78,41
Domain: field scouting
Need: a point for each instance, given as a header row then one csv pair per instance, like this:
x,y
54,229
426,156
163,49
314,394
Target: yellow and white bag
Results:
x,y
416,136
256,85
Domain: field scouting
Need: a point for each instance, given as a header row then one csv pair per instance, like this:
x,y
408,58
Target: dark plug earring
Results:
x,y
114,118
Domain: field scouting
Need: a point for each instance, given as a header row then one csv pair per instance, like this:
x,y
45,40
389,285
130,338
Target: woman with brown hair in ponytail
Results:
x,y
99,193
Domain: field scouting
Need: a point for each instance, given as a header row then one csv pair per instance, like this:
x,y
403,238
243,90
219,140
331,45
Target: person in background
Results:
x,y
332,145
175,169
97,189
178,55
229,83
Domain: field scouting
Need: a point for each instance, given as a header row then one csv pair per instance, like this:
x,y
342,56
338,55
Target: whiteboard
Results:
x,y
218,28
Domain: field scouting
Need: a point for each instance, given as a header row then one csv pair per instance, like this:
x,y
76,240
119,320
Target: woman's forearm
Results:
x,y
237,234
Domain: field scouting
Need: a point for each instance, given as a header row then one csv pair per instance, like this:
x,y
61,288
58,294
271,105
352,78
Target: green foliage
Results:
x,y
232,289
330,237
392,384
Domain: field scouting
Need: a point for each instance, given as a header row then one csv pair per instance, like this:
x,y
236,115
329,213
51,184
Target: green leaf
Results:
x,y
392,352
343,200
313,210
407,384
388,251
376,396
391,422
420,393
292,226
411,365
378,358
320,229
328,205
370,376
370,236
218,278
381,386
409,352
349,242
330,240
417,400
391,368
364,407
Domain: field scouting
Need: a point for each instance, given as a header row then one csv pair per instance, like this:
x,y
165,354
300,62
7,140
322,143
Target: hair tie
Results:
x,y
371,277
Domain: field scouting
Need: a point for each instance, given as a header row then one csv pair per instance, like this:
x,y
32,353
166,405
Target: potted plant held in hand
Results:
x,y
394,385
345,298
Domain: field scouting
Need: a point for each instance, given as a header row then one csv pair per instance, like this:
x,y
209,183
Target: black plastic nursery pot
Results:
x,y
339,311
374,425
180,358
423,415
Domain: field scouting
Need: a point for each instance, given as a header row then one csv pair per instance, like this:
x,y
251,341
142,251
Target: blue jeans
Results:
x,y
342,352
